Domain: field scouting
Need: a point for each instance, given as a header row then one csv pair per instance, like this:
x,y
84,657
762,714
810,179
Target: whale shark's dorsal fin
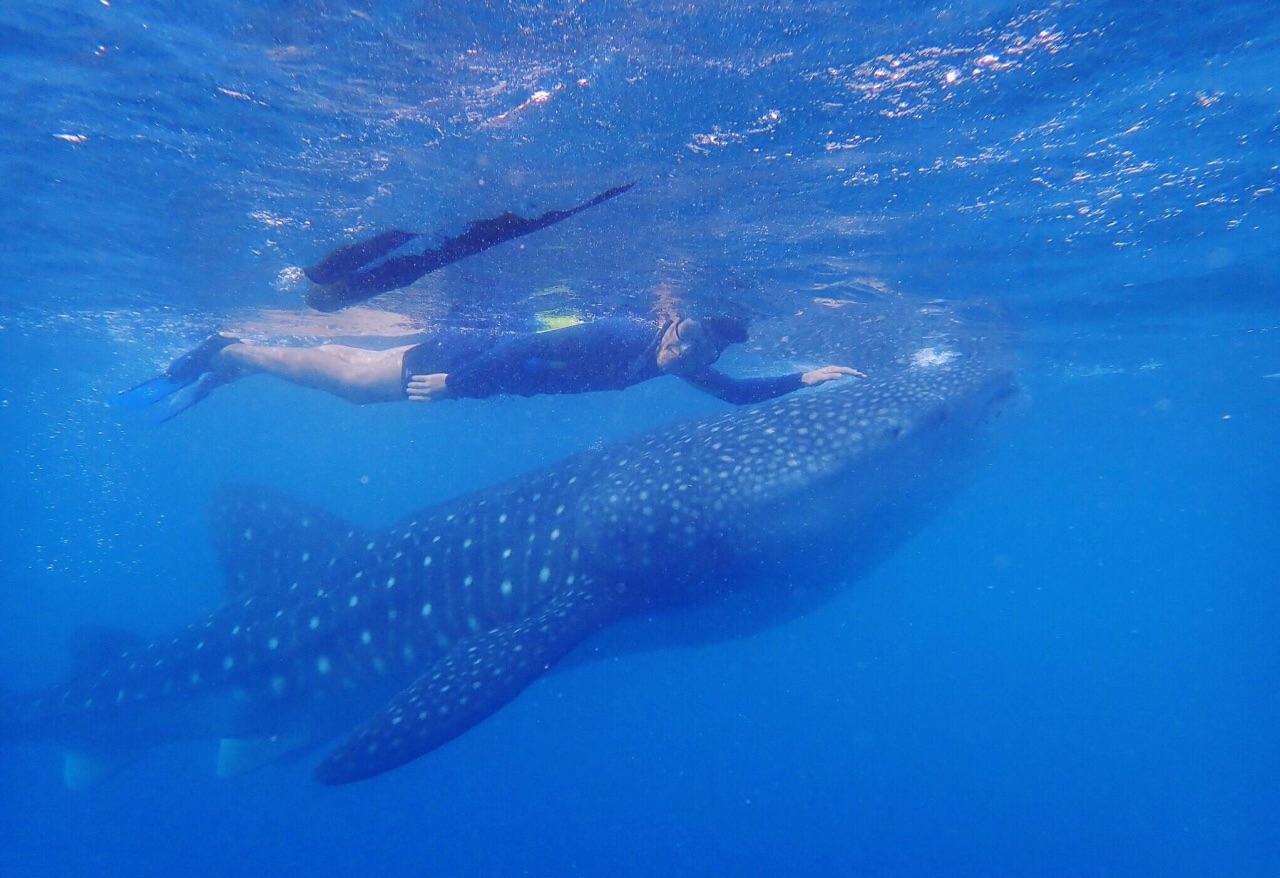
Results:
x,y
267,541
479,675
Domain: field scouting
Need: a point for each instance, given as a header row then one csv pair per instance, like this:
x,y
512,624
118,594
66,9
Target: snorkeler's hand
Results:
x,y
829,373
427,388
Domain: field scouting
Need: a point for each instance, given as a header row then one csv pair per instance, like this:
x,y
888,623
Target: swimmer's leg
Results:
x,y
354,374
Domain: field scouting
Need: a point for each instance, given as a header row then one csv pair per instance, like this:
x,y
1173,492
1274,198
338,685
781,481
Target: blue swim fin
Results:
x,y
190,394
148,392
187,380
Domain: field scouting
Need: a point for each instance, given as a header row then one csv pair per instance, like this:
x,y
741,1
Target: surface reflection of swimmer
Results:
x,y
348,275
608,354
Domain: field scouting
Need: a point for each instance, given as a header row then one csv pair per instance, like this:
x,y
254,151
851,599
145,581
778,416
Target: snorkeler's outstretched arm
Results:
x,y
343,281
742,391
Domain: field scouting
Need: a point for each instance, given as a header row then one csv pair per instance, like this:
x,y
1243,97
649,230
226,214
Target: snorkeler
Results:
x,y
609,354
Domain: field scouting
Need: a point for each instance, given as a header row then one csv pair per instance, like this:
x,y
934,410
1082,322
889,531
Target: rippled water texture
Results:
x,y
1069,671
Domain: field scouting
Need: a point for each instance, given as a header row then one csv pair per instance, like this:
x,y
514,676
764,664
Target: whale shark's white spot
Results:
x,y
273,643
366,637
323,665
228,663
506,586
426,610
391,582
355,599
426,561
315,622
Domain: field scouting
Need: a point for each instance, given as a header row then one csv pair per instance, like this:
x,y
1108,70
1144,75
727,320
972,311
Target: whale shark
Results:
x,y
393,641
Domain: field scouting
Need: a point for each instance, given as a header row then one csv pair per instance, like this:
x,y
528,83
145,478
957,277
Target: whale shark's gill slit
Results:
x,y
475,678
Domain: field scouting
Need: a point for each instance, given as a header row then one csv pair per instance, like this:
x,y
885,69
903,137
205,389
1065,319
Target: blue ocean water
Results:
x,y
1071,671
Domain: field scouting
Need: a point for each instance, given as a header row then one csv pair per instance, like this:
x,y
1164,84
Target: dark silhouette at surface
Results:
x,y
342,279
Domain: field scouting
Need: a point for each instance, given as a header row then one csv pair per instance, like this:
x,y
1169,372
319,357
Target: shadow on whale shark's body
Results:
x,y
415,633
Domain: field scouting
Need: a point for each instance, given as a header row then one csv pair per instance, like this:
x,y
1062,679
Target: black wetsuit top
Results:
x,y
609,354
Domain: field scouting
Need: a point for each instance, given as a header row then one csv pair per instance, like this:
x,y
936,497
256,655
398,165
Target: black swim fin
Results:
x,y
199,359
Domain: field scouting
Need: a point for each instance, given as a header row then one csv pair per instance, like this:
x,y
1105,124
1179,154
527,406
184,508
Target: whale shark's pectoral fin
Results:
x,y
473,680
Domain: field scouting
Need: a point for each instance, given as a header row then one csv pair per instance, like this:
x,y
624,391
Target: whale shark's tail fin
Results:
x,y
39,715
476,678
